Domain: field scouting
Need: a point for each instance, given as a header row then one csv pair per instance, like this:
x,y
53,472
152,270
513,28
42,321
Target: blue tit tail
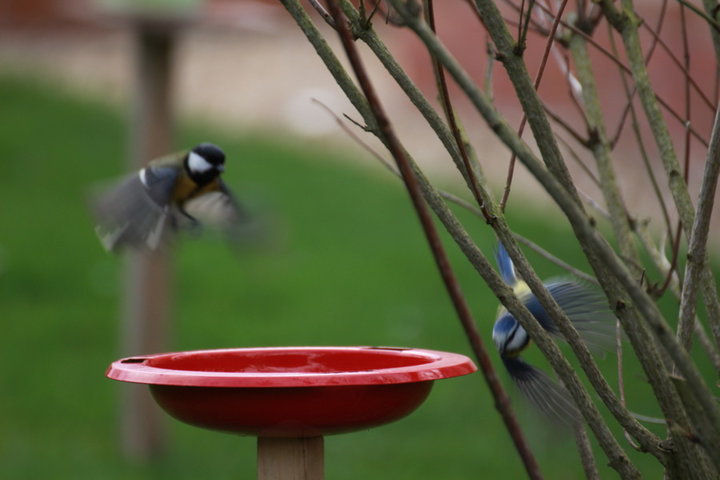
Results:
x,y
542,392
505,265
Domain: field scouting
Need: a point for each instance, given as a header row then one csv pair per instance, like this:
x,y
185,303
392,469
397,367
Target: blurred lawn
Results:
x,y
347,265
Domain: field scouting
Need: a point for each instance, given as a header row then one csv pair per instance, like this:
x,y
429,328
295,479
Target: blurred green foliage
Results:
x,y
343,263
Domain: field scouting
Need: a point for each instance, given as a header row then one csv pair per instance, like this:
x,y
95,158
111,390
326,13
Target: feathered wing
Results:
x,y
588,310
542,392
128,215
221,209
218,207
585,306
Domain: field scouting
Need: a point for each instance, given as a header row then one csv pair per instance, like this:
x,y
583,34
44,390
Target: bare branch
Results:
x,y
387,134
323,13
452,122
696,266
536,83
586,454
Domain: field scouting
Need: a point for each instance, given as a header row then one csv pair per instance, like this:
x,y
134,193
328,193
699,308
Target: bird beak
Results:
x,y
220,168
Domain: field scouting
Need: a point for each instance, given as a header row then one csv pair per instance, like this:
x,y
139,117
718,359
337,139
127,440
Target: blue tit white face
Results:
x,y
510,338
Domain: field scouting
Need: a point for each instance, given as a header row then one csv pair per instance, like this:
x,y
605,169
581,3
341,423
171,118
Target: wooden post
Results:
x,y
146,322
290,458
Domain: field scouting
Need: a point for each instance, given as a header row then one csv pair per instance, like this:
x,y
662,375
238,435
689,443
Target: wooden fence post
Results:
x,y
146,316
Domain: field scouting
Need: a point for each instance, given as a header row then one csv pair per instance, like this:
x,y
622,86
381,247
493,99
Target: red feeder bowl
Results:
x,y
291,392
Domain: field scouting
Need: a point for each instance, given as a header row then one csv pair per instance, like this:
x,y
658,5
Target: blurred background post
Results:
x,y
147,312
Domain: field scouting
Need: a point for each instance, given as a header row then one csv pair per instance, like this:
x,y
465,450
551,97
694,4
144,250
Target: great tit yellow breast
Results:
x,y
186,189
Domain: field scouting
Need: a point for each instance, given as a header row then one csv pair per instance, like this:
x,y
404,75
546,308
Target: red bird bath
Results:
x,y
291,397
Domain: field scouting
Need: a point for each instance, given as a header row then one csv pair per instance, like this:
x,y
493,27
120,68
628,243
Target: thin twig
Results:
x,y
490,52
711,10
648,419
627,25
423,106
356,138
609,55
600,148
713,23
520,22
710,349
574,155
659,291
684,68
322,12
523,29
548,256
536,83
629,105
621,378
457,200
452,121
587,459
594,204
638,136
573,84
686,171
697,262
555,117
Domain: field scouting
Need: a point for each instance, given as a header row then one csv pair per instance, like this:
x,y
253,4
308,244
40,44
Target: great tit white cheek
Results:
x,y
198,164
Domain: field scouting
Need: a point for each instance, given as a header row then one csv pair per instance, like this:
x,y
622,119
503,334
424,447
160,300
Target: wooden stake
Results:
x,y
290,458
146,316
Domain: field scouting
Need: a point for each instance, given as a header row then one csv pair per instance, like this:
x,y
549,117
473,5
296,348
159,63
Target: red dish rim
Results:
x,y
439,365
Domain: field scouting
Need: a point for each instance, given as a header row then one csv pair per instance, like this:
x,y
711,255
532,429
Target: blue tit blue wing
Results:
x,y
539,312
505,265
585,306
546,395
588,310
136,211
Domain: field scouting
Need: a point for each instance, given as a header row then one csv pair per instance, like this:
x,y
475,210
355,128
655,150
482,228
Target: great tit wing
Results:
x,y
134,212
546,395
588,310
219,208
159,183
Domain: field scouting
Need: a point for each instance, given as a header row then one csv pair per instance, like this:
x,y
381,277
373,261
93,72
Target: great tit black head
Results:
x,y
205,162
145,207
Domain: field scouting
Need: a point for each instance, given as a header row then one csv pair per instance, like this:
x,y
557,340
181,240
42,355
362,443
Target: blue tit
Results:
x,y
144,208
587,309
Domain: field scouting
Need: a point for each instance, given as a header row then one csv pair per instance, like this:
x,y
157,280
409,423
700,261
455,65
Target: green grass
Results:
x,y
345,264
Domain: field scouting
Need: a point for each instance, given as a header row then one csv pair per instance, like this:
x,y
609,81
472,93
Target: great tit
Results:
x,y
585,307
143,209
